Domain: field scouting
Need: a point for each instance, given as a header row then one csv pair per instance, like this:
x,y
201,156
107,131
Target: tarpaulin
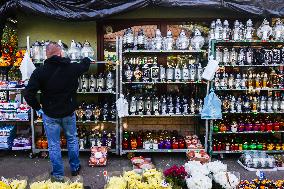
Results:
x,y
97,9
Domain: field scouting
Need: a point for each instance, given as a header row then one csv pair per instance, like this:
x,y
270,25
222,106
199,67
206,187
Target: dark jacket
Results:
x,y
57,80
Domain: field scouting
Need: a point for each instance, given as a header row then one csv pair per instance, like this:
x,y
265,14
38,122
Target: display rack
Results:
x,y
162,84
94,95
254,44
5,70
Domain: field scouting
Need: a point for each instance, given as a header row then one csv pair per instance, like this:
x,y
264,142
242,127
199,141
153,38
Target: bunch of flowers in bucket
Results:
x,y
210,175
176,176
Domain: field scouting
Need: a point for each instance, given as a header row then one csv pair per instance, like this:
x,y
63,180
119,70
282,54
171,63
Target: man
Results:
x,y
57,80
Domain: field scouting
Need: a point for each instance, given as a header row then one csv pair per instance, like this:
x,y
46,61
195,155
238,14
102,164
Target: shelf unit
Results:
x,y
83,123
252,43
155,52
243,151
168,115
160,150
8,90
126,84
247,132
65,150
165,83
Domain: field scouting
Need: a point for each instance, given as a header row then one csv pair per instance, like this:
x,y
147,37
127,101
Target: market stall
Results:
x,y
146,93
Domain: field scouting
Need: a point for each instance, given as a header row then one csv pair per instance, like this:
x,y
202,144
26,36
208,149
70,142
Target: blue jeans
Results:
x,y
52,128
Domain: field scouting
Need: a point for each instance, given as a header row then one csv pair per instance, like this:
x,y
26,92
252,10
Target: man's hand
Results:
x,y
39,113
92,60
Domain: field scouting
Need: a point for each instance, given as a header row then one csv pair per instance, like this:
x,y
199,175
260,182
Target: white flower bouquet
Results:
x,y
216,166
227,180
195,167
199,181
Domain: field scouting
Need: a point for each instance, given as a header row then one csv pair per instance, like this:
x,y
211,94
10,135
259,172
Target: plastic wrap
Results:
x,y
97,9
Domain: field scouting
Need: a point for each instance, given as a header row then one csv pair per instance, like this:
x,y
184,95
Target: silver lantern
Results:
x,y
169,41
36,52
155,105
84,84
74,52
264,31
64,48
177,73
226,56
158,40
155,71
141,40
44,45
109,82
170,73
87,50
101,82
132,106
197,41
92,84
218,30
148,106
236,31
226,30
212,30
278,30
249,30
185,73
182,42
162,73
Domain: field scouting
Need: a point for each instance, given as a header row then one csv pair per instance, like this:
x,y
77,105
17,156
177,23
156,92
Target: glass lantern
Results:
x,y
64,48
87,50
264,31
182,41
36,51
74,52
197,41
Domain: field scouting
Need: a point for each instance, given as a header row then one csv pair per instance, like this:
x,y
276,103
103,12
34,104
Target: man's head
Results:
x,y
53,49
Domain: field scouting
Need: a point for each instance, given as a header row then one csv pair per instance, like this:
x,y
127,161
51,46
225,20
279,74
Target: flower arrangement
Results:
x,y
199,181
49,184
19,57
176,176
265,183
226,180
216,166
194,167
150,179
13,183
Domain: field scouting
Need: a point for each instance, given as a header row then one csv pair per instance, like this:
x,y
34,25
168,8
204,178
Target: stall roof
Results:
x,y
98,9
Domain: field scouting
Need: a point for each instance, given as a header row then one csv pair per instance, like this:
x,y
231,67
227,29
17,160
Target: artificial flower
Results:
x,y
199,181
216,167
194,167
227,180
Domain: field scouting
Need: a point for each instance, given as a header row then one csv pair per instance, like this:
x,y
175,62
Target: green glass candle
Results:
x,y
253,146
259,146
216,128
245,146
